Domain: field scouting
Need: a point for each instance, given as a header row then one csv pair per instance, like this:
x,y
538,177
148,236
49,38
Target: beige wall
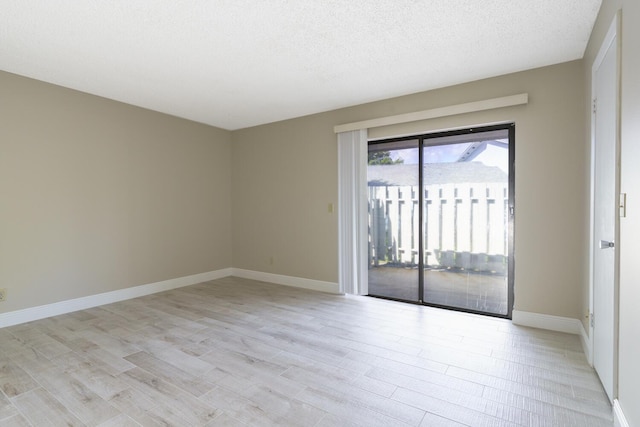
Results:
x,y
284,175
99,196
106,196
629,375
629,243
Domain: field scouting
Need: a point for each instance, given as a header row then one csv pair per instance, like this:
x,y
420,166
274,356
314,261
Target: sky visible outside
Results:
x,y
492,156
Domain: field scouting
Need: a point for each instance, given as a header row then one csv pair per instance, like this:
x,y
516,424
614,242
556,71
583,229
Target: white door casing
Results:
x,y
605,199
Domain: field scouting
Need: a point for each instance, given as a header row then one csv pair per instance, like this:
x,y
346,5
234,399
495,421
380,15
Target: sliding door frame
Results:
x,y
510,127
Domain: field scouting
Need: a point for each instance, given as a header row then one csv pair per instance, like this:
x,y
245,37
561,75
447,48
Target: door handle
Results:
x,y
604,244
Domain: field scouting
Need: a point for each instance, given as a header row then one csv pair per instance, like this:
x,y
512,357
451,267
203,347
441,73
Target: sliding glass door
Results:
x,y
441,219
394,220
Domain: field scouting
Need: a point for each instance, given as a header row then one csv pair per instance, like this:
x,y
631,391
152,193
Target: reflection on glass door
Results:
x,y
394,220
440,220
466,208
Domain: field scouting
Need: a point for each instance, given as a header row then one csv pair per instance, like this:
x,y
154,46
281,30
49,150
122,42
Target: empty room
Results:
x,y
359,213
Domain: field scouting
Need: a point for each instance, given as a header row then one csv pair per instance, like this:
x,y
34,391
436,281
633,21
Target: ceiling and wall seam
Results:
x,y
239,64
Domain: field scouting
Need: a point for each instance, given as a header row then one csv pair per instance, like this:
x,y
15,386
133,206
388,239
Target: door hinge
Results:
x,y
593,319
623,205
595,105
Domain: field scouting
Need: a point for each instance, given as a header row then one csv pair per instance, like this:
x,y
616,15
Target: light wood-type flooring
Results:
x,y
239,352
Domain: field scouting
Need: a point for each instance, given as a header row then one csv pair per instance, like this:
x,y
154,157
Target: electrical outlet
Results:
x,y
3,294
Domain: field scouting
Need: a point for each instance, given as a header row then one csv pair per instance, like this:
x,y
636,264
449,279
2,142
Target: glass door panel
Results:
x,y
465,184
394,220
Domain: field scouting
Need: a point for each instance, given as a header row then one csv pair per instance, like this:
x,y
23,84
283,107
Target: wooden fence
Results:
x,y
466,226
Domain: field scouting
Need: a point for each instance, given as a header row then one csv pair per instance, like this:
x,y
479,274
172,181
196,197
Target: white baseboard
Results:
x,y
298,282
619,419
68,306
35,313
555,323
546,321
586,344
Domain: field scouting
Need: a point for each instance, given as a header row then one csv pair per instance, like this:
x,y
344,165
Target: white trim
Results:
x,y
606,44
586,344
555,323
451,110
547,321
297,282
36,313
619,420
68,306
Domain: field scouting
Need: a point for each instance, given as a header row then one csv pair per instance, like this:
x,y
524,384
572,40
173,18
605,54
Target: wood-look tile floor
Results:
x,y
239,352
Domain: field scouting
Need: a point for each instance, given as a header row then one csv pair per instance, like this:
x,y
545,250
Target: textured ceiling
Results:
x,y
239,63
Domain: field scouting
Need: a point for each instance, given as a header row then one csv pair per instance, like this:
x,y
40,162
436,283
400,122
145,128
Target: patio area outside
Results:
x,y
468,290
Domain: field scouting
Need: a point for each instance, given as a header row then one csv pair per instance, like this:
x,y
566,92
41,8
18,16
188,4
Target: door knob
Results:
x,y
604,244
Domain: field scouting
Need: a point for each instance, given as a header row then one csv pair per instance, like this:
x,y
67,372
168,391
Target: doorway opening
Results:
x,y
441,219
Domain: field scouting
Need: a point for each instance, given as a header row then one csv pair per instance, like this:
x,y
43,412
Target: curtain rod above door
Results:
x,y
451,110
